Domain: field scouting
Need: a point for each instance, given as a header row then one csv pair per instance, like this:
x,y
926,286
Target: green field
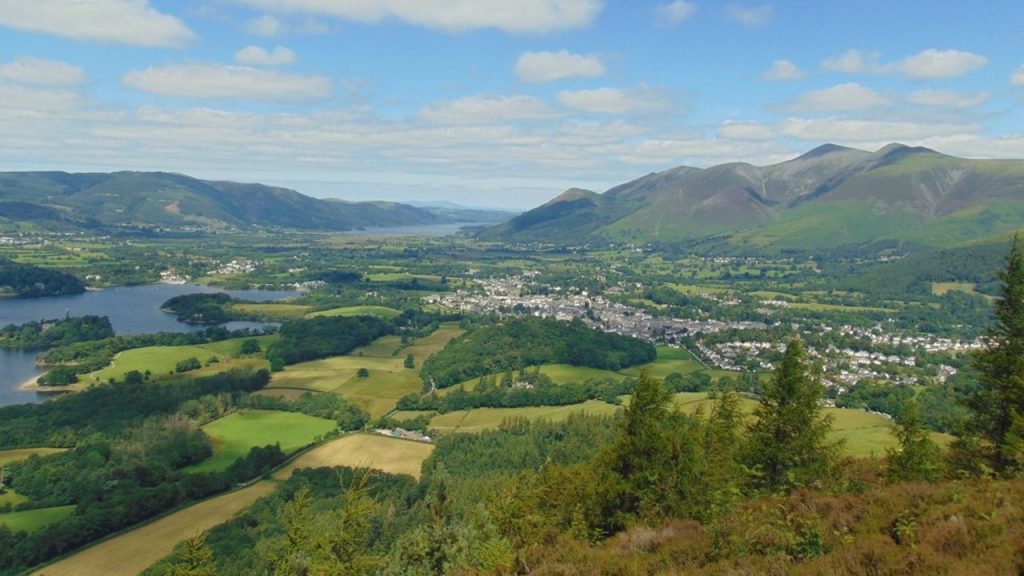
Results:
x,y
235,434
32,520
669,360
382,311
11,497
392,455
481,419
559,374
8,456
383,358
161,360
942,288
271,311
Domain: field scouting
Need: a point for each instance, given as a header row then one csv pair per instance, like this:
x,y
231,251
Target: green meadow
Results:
x,y
235,434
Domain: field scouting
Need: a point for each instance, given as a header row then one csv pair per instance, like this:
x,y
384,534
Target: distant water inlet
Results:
x,y
131,309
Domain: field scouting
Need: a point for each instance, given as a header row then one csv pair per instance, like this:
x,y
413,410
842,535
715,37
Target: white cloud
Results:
x,y
853,62
746,131
486,110
265,25
1017,78
853,131
218,81
257,56
452,15
614,100
542,67
934,64
676,12
783,70
948,98
116,21
929,64
750,15
849,96
40,71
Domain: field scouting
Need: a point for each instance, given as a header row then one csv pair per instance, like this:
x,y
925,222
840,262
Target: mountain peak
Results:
x,y
896,148
573,194
825,149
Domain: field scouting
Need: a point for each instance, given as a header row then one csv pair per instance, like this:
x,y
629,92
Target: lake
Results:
x,y
131,309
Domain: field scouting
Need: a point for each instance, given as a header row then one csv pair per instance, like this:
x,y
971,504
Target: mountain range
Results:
x,y
830,197
64,201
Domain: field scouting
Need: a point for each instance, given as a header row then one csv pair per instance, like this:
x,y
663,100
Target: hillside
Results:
x,y
63,201
830,197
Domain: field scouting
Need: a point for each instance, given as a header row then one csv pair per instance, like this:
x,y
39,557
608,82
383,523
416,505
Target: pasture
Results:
x,y
270,310
161,360
391,455
32,520
235,434
481,419
8,456
132,552
382,311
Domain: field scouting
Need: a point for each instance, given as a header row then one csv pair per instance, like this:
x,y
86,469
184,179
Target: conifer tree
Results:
x,y
787,446
196,559
998,406
917,457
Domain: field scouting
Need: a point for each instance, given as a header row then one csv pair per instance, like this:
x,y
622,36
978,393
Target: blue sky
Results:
x,y
495,102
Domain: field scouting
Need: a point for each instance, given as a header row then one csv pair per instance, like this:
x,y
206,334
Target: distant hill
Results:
x,y
830,197
61,201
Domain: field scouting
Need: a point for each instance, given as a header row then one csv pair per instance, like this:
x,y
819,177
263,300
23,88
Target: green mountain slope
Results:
x,y
58,200
830,197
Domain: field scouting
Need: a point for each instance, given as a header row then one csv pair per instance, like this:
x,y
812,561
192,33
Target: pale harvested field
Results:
x,y
133,552
390,455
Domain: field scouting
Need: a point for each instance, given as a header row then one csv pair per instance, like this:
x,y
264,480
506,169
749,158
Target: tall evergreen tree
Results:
x,y
998,406
787,445
917,457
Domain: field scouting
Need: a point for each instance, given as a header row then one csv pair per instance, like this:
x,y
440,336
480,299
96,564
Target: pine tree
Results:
x,y
998,406
917,457
787,446
196,559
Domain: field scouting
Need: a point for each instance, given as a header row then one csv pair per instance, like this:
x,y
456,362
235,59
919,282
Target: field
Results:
x,y
669,360
942,288
235,434
11,497
161,360
32,520
559,374
481,419
383,358
391,455
134,551
8,456
271,310
382,311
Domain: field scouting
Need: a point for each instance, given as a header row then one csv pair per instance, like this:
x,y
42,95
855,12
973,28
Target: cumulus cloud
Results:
x,y
234,82
842,97
614,100
258,56
750,15
115,21
1017,78
929,64
40,71
783,70
543,67
948,98
851,130
676,12
746,131
265,25
933,64
486,109
529,16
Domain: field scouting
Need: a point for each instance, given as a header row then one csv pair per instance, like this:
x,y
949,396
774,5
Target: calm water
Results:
x,y
131,309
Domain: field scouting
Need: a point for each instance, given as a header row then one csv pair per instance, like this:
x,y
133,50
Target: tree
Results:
x,y
196,559
363,373
918,457
410,361
998,405
787,446
250,346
